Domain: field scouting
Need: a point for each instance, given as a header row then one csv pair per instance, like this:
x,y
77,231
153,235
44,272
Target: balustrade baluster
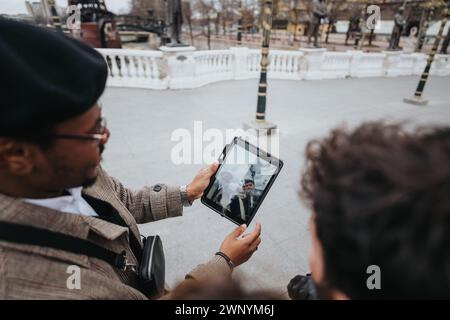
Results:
x,y
140,67
147,67
154,71
114,68
131,67
123,67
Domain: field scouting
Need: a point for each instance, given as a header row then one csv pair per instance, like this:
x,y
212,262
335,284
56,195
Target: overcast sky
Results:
x,y
18,6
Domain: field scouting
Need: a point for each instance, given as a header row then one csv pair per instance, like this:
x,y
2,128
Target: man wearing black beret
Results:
x,y
52,135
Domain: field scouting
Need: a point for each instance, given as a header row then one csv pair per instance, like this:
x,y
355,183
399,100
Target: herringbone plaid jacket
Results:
x,y
33,272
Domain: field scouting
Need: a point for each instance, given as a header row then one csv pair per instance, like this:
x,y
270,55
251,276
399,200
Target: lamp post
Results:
x,y
212,15
417,98
56,21
239,33
260,123
429,8
423,28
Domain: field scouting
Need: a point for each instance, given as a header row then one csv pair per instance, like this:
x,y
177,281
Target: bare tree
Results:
x,y
141,8
217,17
187,15
334,8
226,7
203,9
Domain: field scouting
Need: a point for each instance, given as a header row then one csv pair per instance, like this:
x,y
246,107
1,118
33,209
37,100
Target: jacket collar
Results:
x,y
14,210
103,191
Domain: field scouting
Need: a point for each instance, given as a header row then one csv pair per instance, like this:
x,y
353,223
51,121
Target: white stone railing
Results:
x,y
367,64
336,65
441,65
135,68
212,66
190,69
282,64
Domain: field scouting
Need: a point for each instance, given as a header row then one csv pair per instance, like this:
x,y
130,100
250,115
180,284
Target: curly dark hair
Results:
x,y
380,195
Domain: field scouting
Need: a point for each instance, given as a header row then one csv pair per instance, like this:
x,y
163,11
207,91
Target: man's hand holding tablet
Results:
x,y
237,247
240,249
235,188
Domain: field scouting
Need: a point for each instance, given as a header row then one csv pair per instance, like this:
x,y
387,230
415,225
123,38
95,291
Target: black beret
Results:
x,y
46,77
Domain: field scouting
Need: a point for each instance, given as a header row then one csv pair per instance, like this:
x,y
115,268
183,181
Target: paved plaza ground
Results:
x,y
139,153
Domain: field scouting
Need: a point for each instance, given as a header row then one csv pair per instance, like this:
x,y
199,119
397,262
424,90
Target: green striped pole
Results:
x,y
56,21
260,125
239,34
417,98
423,29
262,86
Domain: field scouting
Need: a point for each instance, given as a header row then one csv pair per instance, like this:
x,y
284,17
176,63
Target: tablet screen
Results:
x,y
240,184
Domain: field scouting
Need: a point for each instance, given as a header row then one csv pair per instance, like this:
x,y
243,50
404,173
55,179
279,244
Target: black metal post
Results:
x,y
56,21
260,125
208,30
417,99
239,33
423,29
262,86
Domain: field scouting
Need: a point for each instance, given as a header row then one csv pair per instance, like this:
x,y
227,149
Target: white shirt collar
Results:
x,y
73,203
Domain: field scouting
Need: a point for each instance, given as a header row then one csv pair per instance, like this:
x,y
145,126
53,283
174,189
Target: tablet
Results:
x,y
241,182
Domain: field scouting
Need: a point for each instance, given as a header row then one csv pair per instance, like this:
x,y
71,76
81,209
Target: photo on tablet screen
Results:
x,y
241,183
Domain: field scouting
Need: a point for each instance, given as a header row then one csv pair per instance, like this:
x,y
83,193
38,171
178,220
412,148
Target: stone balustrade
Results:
x,y
187,68
135,68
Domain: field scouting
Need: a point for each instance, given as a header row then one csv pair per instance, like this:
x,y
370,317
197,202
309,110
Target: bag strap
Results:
x,y
22,234
108,213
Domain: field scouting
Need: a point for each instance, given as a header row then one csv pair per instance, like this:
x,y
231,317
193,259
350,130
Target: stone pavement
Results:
x,y
139,153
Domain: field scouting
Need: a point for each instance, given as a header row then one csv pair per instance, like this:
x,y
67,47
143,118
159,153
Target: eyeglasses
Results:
x,y
101,136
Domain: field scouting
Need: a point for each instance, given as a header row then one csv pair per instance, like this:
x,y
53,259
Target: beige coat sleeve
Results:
x,y
151,203
215,273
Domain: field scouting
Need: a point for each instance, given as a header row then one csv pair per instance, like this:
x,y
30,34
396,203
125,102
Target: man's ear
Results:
x,y
16,157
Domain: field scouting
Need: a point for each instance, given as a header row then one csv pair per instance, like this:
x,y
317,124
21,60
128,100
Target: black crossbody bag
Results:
x,y
151,270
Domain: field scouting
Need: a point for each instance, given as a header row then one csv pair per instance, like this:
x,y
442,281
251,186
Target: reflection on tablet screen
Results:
x,y
240,183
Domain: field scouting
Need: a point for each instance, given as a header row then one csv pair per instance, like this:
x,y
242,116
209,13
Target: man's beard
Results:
x,y
91,181
69,177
